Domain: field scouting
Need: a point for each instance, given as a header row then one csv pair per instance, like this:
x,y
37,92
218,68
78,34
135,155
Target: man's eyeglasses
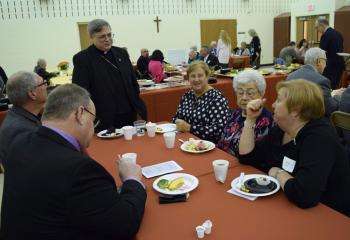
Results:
x,y
45,82
325,59
105,36
96,121
249,93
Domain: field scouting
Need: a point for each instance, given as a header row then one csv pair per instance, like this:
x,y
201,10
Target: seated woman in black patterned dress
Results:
x,y
203,110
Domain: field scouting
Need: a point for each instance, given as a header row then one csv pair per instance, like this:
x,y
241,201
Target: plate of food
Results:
x,y
265,72
145,82
197,146
166,127
294,66
256,185
110,133
175,183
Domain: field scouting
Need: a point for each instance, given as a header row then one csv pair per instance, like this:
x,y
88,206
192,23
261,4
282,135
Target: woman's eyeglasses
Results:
x,y
249,93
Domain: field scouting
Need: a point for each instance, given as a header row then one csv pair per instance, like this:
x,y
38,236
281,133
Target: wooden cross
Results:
x,y
157,20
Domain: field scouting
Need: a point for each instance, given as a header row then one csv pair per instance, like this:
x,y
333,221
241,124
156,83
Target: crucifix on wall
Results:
x,y
157,21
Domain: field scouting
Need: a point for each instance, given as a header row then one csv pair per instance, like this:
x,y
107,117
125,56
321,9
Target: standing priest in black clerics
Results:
x,y
106,72
332,42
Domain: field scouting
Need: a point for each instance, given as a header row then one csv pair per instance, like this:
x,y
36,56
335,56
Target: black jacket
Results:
x,y
332,42
212,60
321,173
52,191
93,73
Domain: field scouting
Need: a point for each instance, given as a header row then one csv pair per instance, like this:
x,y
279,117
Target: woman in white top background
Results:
x,y
224,49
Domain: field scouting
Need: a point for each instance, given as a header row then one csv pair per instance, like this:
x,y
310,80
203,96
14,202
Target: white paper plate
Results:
x,y
119,133
234,185
166,127
344,54
146,83
191,182
210,145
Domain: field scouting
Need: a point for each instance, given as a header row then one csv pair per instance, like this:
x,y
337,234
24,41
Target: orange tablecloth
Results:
x,y
272,217
2,116
239,62
162,104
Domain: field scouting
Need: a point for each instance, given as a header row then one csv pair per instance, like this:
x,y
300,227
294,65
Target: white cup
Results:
x,y
220,169
128,132
207,225
169,139
200,231
129,157
151,129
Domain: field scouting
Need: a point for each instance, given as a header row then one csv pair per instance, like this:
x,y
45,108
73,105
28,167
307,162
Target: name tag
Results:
x,y
288,164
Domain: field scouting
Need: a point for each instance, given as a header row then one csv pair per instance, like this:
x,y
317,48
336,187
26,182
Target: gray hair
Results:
x,y
41,62
18,86
194,48
192,53
64,100
205,47
252,32
96,26
313,54
250,76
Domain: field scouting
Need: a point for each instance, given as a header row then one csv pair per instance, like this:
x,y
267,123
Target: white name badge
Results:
x,y
288,164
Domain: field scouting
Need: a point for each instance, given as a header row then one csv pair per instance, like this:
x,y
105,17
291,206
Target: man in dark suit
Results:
x,y
208,58
107,73
332,43
27,92
315,63
40,69
53,191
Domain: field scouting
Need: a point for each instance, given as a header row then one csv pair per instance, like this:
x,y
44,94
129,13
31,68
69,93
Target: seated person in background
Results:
x,y
155,66
243,50
208,58
302,47
203,110
142,63
192,56
315,63
302,151
248,85
288,54
212,49
40,69
195,49
71,196
27,92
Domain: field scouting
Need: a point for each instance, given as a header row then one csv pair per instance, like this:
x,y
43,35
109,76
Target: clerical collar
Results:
x,y
101,52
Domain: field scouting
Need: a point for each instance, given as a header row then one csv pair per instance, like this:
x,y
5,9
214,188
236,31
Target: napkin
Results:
x,y
163,198
235,192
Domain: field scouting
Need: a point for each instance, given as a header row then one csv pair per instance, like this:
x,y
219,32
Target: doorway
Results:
x,y
85,40
210,30
306,29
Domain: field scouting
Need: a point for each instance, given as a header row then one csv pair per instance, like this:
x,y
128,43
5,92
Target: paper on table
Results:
x,y
160,169
234,192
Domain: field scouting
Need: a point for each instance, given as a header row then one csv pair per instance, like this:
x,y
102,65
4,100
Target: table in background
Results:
x,y
272,217
162,103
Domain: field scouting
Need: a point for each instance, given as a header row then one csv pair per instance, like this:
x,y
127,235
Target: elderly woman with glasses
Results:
x,y
302,151
248,85
203,110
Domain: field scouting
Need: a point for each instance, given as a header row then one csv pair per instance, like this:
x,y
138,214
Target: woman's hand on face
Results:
x,y
254,108
182,125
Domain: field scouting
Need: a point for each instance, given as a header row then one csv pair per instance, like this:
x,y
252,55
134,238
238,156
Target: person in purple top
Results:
x,y
54,191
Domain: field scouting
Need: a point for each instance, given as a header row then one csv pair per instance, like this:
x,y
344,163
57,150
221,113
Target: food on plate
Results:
x,y
263,181
170,68
158,129
163,183
294,66
110,132
264,72
171,185
176,183
244,189
196,145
